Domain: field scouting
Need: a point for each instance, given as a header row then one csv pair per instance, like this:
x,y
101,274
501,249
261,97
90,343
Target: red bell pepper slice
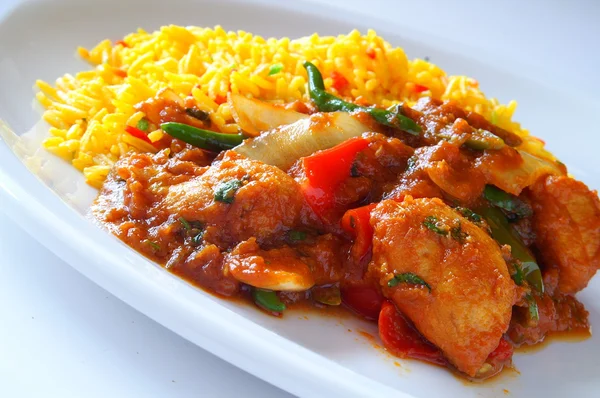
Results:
x,y
357,223
137,133
326,170
402,340
365,300
420,88
339,81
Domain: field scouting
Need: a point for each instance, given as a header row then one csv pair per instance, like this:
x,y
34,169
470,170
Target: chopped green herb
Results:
x,y
534,313
155,246
225,191
143,124
458,234
469,214
432,223
185,223
517,275
409,278
296,236
197,239
507,202
268,300
276,68
198,114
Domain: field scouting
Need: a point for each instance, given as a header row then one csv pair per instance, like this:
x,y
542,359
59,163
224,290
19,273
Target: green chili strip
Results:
x,y
203,139
409,278
327,102
506,201
504,233
268,300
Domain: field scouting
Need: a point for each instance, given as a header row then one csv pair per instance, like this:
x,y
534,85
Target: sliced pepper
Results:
x,y
204,139
268,300
504,233
401,339
327,102
326,170
357,223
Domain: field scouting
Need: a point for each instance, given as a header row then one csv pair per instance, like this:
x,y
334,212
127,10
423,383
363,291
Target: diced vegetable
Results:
x,y
504,233
408,278
200,138
137,133
506,201
518,177
225,191
254,116
143,124
325,170
357,223
327,102
268,300
274,69
281,147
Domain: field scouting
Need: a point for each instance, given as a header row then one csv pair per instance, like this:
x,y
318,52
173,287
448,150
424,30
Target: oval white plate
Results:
x,y
314,357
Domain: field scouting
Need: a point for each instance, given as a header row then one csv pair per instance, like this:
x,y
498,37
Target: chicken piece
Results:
x,y
275,269
566,221
261,200
463,303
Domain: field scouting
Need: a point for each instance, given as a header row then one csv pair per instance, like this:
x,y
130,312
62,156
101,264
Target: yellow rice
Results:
x,y
89,111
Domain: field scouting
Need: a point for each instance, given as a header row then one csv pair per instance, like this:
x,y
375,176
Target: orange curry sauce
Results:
x,y
379,225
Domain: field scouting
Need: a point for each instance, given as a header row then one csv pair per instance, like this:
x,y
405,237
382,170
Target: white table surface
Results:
x,y
61,335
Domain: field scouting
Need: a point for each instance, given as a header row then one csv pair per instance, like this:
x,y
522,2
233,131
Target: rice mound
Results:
x,y
88,112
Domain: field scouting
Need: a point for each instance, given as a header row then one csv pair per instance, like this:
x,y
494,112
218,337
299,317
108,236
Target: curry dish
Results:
x,y
427,219
332,172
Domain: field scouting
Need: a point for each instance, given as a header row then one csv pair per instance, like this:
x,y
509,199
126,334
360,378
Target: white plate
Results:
x,y
318,356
